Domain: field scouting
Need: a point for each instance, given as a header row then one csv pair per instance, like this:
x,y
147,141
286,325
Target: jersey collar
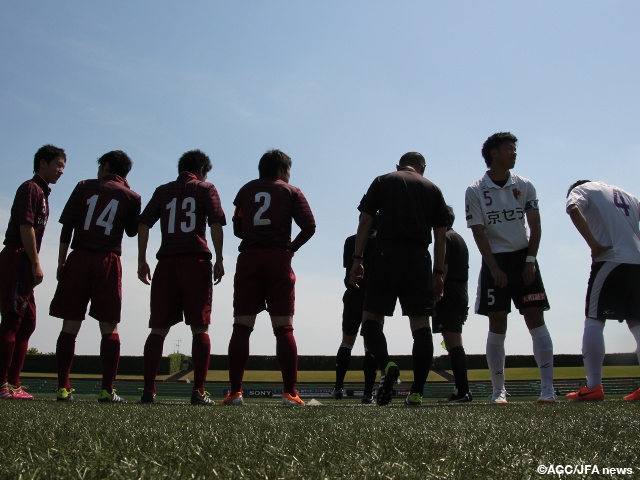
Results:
x,y
489,183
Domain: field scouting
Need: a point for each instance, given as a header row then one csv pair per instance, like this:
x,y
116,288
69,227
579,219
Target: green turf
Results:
x,y
45,439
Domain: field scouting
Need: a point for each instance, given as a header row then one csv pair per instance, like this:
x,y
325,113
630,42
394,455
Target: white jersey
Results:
x,y
502,211
612,215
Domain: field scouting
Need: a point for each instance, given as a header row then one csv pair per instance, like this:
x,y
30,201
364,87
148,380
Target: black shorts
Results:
x,y
399,273
490,298
353,302
613,291
452,309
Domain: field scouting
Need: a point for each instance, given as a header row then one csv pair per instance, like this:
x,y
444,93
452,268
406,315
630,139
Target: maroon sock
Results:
x,y
287,356
238,355
109,358
65,350
8,327
152,356
27,327
201,355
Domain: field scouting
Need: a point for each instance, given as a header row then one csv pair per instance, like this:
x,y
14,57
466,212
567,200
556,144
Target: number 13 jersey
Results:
x,y
264,211
502,211
184,207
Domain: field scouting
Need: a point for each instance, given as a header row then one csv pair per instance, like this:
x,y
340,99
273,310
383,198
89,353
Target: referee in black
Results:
x,y
409,209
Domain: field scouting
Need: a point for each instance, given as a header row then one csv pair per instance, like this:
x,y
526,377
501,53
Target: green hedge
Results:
x,y
90,364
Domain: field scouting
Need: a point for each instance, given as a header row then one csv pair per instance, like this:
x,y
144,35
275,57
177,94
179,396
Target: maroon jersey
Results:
x,y
31,205
100,211
263,215
184,207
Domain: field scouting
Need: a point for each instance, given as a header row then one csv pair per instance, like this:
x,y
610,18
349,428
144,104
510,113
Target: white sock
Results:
x,y
593,351
495,359
635,331
543,353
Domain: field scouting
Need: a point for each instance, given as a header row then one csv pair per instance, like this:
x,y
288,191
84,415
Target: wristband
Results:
x,y
356,257
437,271
530,259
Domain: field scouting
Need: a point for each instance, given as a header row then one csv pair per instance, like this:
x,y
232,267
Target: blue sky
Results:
x,y
345,88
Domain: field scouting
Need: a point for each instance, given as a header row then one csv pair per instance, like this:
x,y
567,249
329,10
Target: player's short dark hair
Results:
x,y
412,159
47,153
272,161
452,216
119,162
494,141
194,160
576,184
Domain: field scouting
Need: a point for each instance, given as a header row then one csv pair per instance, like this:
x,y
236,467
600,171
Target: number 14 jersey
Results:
x,y
100,211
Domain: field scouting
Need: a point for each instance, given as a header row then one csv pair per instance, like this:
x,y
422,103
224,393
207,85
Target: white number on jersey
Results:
x,y
257,220
106,217
189,207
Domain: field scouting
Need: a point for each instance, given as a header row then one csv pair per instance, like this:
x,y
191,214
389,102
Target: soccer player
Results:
x,y
20,270
452,309
97,215
409,207
499,207
264,280
607,218
182,279
353,303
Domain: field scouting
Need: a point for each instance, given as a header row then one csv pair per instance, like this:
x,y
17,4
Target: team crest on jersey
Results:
x,y
516,193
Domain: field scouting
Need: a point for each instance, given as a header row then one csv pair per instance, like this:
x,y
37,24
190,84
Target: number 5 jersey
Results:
x,y
502,211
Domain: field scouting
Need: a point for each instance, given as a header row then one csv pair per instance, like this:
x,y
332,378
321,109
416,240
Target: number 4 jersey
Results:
x,y
264,212
100,211
502,211
612,215
184,207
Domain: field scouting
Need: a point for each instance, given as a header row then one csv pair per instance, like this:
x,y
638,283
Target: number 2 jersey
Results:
x,y
264,211
502,211
612,215
184,207
99,211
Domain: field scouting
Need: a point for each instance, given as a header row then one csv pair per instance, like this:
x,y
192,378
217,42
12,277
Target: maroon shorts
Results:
x,y
89,276
264,280
16,283
181,284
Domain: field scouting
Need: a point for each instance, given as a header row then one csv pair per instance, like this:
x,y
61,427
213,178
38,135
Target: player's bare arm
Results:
x,y
583,228
499,277
28,236
535,233
144,272
62,258
439,247
217,237
362,236
237,222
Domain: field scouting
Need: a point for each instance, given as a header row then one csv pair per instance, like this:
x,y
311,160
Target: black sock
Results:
x,y
422,354
370,371
343,359
376,342
458,359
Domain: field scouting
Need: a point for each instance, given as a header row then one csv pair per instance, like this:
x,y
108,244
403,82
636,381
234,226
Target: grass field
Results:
x,y
45,439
